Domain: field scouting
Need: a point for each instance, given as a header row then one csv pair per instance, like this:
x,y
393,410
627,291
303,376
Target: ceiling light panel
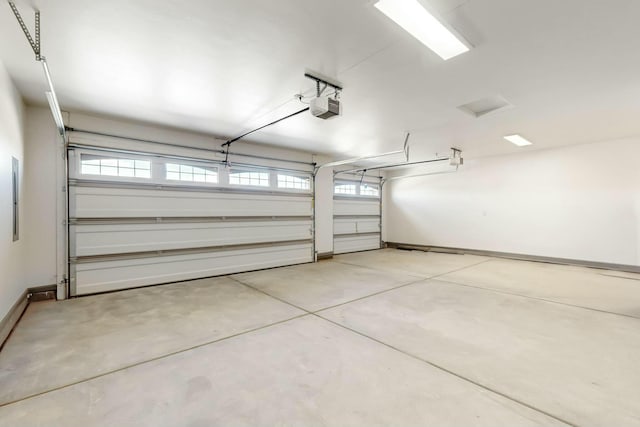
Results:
x,y
517,140
421,24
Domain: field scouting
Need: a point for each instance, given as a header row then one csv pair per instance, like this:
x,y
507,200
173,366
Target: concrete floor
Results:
x,y
368,339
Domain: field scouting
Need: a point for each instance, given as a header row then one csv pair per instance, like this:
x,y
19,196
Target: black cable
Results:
x,y
231,141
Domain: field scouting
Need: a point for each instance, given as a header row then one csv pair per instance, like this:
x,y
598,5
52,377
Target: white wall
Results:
x,y
579,202
324,208
41,150
39,226
11,145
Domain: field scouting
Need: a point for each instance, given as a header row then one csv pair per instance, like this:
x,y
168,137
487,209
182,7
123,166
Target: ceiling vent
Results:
x,y
484,106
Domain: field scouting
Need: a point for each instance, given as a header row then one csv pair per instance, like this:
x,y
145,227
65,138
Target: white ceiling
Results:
x,y
571,68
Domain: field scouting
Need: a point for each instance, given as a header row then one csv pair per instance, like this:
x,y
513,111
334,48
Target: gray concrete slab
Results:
x,y
418,263
58,343
323,284
580,365
304,372
586,287
622,274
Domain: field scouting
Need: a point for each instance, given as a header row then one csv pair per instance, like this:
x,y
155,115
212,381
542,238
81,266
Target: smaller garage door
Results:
x,y
356,216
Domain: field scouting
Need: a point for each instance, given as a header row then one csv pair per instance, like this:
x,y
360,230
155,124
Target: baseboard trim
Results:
x,y
325,255
521,257
42,293
45,288
13,316
11,319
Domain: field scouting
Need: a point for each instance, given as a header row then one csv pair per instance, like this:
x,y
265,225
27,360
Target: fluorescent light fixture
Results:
x,y
517,140
421,24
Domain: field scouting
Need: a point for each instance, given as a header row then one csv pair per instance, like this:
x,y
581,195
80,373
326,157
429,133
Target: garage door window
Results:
x,y
369,190
190,173
342,188
248,177
357,189
92,164
294,182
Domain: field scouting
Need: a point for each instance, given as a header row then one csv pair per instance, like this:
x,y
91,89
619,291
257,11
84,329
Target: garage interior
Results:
x,y
375,212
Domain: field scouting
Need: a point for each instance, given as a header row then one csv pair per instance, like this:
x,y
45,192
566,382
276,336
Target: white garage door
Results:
x,y
138,219
356,215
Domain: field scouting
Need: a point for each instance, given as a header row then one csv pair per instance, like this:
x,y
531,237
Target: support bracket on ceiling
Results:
x,y
35,44
325,81
406,147
456,157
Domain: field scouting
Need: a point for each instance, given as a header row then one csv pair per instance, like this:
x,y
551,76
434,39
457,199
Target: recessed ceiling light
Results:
x,y
421,24
517,140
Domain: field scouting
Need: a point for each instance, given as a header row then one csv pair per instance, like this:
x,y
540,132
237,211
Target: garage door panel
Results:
x,y
101,276
356,225
356,207
96,202
347,226
344,244
99,239
368,226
